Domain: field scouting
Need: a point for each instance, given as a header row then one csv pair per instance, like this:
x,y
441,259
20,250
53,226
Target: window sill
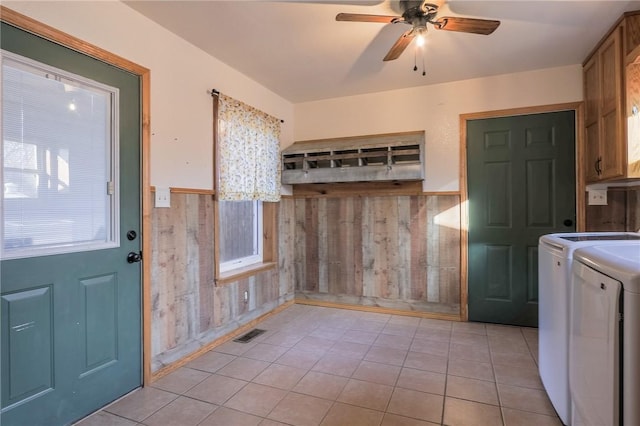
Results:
x,y
241,273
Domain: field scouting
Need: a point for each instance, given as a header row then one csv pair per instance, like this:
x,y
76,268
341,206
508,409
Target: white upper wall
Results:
x,y
181,111
436,109
181,74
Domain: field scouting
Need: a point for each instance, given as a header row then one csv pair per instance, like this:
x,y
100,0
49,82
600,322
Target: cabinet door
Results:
x,y
592,118
611,131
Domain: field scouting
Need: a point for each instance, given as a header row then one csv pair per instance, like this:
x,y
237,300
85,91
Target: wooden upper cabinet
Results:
x,y
603,145
611,149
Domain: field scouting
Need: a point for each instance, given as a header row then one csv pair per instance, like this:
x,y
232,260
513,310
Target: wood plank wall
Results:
x,y
396,252
188,309
622,212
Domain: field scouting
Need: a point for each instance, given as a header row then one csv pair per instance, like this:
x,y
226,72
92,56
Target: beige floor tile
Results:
x,y
515,376
321,385
476,353
435,324
349,349
427,362
256,399
301,410
458,412
102,418
243,368
365,325
359,336
404,320
181,412
300,359
522,418
431,347
141,404
396,420
471,369
234,348
418,405
312,344
472,390
400,329
328,333
393,341
211,361
421,380
438,334
498,343
280,376
181,380
216,389
265,352
366,394
386,355
336,364
297,381
269,422
470,327
343,415
503,330
384,374
226,417
284,338
515,359
461,338
525,399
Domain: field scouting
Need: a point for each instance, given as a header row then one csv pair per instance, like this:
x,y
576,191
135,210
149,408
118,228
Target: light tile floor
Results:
x,y
323,366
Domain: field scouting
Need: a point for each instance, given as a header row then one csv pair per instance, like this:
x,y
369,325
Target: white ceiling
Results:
x,y
299,51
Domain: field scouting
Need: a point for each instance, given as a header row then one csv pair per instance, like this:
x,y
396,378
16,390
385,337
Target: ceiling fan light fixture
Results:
x,y
421,36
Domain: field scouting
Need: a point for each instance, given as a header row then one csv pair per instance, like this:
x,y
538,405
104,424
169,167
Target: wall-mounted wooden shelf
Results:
x,y
376,158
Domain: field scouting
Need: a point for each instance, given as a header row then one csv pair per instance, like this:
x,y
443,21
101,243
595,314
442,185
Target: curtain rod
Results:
x,y
214,92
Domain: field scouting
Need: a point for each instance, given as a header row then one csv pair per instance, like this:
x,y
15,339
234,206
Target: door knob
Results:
x,y
134,257
568,222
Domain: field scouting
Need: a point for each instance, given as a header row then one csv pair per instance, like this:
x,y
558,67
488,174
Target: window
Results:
x,y
247,186
58,161
240,234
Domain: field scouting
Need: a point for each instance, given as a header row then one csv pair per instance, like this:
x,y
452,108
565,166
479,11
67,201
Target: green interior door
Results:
x,y
71,311
521,185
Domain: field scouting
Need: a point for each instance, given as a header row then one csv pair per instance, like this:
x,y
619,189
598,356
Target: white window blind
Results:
x,y
59,148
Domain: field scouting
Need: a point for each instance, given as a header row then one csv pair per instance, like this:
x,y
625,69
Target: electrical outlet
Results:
x,y
163,197
597,197
246,296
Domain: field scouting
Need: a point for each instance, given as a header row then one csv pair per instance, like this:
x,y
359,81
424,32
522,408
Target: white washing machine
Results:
x,y
555,256
604,339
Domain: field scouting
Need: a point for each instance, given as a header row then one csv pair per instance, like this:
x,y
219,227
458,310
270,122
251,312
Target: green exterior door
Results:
x,y
521,185
71,322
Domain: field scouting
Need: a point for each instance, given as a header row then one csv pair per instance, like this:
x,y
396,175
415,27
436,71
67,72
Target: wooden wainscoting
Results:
x,y
396,253
189,313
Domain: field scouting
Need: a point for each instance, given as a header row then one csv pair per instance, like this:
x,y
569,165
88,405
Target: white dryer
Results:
x,y
604,340
555,257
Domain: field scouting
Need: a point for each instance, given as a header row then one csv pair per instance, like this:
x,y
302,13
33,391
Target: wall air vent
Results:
x,y
389,157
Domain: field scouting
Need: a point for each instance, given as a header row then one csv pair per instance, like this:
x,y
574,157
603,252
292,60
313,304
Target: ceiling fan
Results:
x,y
418,14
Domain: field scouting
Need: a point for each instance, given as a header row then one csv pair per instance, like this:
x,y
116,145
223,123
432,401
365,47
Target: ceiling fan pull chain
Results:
x,y
415,60
423,68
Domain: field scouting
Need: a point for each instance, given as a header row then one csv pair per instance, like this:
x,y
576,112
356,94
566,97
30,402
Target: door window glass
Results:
x,y
59,146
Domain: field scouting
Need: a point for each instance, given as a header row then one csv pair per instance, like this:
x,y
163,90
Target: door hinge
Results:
x,y
111,187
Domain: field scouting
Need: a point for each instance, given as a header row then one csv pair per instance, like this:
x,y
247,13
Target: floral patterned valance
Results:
x,y
248,152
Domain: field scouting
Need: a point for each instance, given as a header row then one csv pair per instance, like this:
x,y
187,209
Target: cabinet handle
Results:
x,y
597,165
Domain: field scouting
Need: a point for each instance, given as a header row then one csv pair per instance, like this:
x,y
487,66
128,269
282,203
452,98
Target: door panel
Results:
x,y
71,323
521,185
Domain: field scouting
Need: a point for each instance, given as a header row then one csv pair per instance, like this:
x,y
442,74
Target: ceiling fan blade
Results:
x,y
358,17
466,25
400,45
